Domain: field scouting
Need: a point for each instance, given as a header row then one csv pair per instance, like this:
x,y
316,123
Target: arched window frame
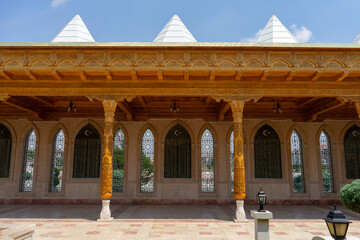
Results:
x,y
27,133
213,133
301,167
140,147
7,174
321,179
117,128
53,174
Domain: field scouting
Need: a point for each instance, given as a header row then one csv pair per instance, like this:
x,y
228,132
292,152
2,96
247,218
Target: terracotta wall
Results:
x,y
187,190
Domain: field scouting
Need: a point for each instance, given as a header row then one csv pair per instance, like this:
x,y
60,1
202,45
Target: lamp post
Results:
x,y
337,224
261,199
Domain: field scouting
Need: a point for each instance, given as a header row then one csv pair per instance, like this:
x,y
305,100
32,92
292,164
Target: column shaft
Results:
x,y
239,165
107,153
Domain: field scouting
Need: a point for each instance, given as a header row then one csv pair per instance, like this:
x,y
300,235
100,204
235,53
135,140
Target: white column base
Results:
x,y
240,215
105,214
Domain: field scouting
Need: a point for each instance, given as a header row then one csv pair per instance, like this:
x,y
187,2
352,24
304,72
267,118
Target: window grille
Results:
x,y
177,162
87,153
5,151
118,161
297,162
352,152
207,162
232,160
267,153
29,161
326,162
147,162
57,162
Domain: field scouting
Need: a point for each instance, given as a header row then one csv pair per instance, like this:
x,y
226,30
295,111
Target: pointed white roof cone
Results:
x,y
276,32
175,31
74,31
357,39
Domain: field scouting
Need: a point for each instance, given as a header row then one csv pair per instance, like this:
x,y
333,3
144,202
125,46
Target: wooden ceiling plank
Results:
x,y
290,75
264,75
5,75
223,109
43,100
142,101
134,75
127,110
307,102
238,75
82,75
186,75
325,108
208,100
212,75
23,107
160,75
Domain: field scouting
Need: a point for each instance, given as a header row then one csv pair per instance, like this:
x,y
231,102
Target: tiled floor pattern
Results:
x,y
167,222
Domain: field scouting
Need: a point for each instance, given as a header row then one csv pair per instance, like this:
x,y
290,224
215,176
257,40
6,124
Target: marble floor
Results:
x,y
167,222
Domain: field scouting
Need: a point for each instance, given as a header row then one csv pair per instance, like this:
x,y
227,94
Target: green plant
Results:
x,y
56,179
28,175
147,169
118,157
298,183
118,180
350,196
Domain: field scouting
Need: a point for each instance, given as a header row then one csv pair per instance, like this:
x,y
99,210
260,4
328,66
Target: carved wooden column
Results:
x,y
106,162
357,106
237,108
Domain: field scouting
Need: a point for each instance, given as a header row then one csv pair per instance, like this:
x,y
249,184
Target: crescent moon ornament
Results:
x,y
88,132
266,133
355,133
177,132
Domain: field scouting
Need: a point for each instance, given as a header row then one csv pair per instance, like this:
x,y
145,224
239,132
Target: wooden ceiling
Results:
x,y
142,108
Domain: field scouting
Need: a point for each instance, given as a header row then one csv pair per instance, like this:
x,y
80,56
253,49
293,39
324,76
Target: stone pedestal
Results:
x,y
105,214
262,224
240,215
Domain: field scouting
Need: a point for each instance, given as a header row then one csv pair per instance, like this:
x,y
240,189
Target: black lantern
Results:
x,y
337,224
261,199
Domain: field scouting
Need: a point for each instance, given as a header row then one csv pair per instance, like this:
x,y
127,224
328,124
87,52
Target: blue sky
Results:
x,y
326,21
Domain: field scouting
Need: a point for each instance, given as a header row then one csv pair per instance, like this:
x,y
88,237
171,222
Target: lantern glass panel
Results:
x,y
262,199
331,228
341,229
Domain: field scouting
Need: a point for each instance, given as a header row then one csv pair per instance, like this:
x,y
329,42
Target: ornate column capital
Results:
x,y
109,109
237,108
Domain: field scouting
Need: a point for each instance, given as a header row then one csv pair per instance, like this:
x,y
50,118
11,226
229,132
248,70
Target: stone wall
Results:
x,y
175,190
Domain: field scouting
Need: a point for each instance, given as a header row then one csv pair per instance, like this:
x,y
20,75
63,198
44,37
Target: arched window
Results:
x,y
29,161
352,152
177,163
57,162
232,160
326,162
297,162
147,162
87,153
118,161
5,151
207,162
267,153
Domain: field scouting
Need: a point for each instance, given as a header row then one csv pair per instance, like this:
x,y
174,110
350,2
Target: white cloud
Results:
x,y
55,3
254,38
302,34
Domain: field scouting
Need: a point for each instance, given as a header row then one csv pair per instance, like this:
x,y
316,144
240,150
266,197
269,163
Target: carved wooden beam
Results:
x,y
342,76
316,76
207,101
134,75
212,75
325,108
238,75
56,75
307,102
82,75
186,75
127,110
290,75
160,75
265,75
30,75
43,101
5,75
223,109
24,107
107,74
142,101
